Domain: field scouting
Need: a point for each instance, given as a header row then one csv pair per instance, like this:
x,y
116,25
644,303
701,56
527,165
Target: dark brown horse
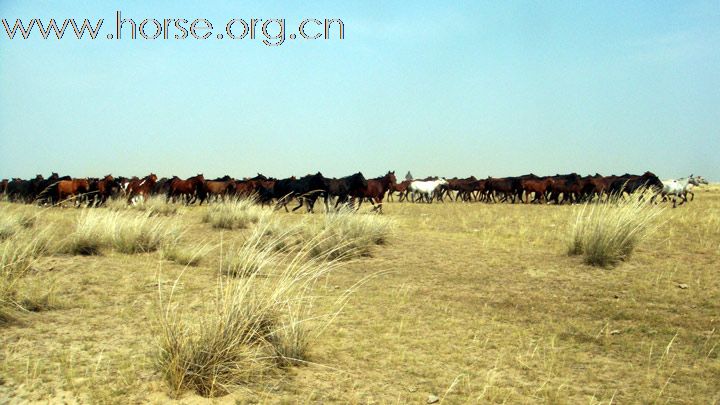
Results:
x,y
191,189
141,188
376,189
103,189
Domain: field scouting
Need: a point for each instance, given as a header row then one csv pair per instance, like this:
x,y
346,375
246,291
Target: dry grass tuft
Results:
x,y
255,254
90,234
17,255
234,214
153,206
123,231
347,233
13,221
36,297
250,328
607,233
185,255
293,339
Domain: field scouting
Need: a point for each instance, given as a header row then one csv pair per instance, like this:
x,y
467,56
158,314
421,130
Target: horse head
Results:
x,y
390,176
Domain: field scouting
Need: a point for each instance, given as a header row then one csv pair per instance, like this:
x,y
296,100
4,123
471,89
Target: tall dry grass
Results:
x,y
155,205
234,214
187,255
125,232
15,261
17,256
13,221
256,323
346,234
607,233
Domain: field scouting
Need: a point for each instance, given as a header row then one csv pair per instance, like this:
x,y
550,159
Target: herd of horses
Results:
x,y
307,190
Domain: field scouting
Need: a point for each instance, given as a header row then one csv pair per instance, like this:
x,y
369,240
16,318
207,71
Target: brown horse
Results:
x,y
103,189
376,189
141,188
245,188
72,188
400,188
192,189
537,185
220,188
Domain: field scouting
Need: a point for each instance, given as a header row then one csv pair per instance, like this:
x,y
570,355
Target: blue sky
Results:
x,y
438,88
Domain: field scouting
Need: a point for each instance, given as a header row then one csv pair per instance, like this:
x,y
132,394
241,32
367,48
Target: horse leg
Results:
x,y
337,202
300,203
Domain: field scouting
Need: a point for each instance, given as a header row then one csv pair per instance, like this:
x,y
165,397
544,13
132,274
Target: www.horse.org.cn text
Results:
x,y
271,32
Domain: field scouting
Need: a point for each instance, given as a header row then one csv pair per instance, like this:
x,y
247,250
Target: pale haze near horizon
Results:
x,y
437,88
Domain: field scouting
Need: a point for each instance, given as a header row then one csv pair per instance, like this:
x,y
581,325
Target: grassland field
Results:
x,y
468,302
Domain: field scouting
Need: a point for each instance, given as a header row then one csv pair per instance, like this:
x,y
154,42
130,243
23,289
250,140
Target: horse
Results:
x,y
161,187
628,183
569,185
307,188
71,188
401,188
343,188
376,189
464,188
192,189
504,186
45,190
125,183
677,188
24,190
425,189
700,180
220,188
534,184
103,189
596,186
140,188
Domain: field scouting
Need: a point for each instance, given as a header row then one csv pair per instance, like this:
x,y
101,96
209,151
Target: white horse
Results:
x,y
700,180
425,189
678,188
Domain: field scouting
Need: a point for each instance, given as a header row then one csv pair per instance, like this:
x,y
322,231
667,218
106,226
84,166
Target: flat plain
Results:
x,y
468,302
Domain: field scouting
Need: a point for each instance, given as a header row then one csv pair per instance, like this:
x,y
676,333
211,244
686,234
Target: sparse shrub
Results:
x,y
16,258
125,232
245,332
185,255
142,233
13,221
117,204
292,340
90,234
38,297
249,258
234,214
153,206
606,234
347,234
